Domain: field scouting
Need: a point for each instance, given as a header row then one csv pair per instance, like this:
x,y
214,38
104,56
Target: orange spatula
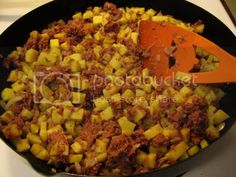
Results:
x,y
159,37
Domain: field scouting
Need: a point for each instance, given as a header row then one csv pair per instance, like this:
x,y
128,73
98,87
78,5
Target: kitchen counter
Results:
x,y
220,163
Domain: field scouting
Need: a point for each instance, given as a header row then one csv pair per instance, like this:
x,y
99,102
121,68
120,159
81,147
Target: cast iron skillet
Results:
x,y
39,18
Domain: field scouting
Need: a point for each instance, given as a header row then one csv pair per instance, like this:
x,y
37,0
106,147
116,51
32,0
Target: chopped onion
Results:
x,y
78,168
13,100
3,104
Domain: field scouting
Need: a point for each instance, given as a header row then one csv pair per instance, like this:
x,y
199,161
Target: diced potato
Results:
x,y
211,97
153,131
46,59
97,49
77,148
202,90
34,128
154,106
123,32
56,117
95,118
134,36
74,66
34,34
116,98
7,116
60,35
115,64
54,129
101,103
212,132
65,46
159,18
145,17
27,70
13,76
145,72
44,35
178,98
146,87
31,55
220,116
78,97
186,91
54,43
126,126
110,90
184,156
185,133
98,36
150,161
26,114
84,144
40,152
84,84
97,20
56,149
140,93
211,109
140,158
46,92
97,10
151,12
199,28
170,132
177,151
12,131
140,114
75,56
162,149
165,123
18,86
73,158
21,145
7,94
193,150
70,126
88,14
107,114
66,112
77,114
121,48
128,95
100,145
138,10
77,15
75,83
220,94
33,139
204,144
42,118
101,157
43,131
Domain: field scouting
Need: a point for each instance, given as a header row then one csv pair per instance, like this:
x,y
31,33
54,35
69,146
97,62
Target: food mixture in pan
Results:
x,y
81,101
